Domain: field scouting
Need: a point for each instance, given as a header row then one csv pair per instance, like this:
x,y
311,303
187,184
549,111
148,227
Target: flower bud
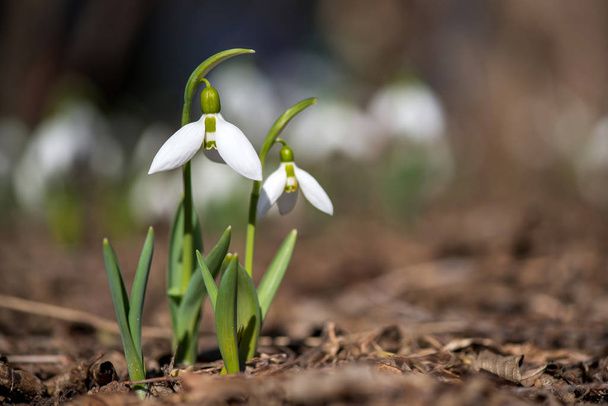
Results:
x,y
286,154
210,100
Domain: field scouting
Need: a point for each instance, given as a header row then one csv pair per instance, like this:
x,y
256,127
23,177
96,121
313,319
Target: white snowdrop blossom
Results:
x,y
411,111
221,141
283,185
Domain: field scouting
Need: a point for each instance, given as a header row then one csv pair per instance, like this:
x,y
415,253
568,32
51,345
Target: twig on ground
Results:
x,y
73,316
154,380
38,359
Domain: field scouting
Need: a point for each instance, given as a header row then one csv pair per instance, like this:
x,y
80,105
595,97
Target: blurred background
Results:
x,y
427,110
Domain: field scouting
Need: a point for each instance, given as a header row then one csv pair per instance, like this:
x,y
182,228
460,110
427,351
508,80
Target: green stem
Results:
x,y
272,137
253,206
188,238
187,241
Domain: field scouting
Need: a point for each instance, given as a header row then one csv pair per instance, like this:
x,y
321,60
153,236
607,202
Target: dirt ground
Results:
x,y
489,304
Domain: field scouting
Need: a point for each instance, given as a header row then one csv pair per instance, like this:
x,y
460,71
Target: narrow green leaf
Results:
x,y
210,285
276,271
280,124
138,290
174,268
121,309
190,305
215,258
226,317
174,291
249,317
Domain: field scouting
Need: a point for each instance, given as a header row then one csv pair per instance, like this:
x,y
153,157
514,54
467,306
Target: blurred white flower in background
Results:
x,y
151,139
408,110
333,127
212,183
591,165
411,115
154,198
74,137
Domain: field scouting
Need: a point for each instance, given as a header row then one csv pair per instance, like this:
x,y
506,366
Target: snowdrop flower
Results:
x,y
221,142
411,111
282,187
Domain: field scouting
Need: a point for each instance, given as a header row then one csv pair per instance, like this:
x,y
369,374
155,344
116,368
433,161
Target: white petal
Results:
x,y
236,150
271,190
179,148
313,192
287,201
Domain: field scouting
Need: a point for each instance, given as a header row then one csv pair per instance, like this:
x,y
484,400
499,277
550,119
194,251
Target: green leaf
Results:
x,y
280,124
208,280
174,269
174,273
276,271
226,317
249,317
138,290
189,308
205,67
216,257
121,308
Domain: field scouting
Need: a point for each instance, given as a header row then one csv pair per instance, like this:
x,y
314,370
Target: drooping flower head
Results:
x,y
222,142
283,185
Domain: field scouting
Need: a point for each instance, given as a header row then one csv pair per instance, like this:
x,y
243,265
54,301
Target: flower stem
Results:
x,y
187,241
253,206
272,137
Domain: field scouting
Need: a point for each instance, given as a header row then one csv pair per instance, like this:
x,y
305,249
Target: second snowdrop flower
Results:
x,y
282,187
221,141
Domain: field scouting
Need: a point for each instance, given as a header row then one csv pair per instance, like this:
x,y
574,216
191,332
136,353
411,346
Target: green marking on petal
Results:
x,y
291,173
291,184
210,124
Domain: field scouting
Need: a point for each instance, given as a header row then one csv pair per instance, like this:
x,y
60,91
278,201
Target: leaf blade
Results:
x,y
210,285
226,318
249,317
273,277
192,300
174,268
281,123
121,309
138,290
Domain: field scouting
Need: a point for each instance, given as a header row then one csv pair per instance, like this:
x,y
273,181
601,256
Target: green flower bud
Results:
x,y
210,100
286,154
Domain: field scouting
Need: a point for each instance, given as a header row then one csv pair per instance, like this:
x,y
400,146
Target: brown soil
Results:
x,y
491,305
